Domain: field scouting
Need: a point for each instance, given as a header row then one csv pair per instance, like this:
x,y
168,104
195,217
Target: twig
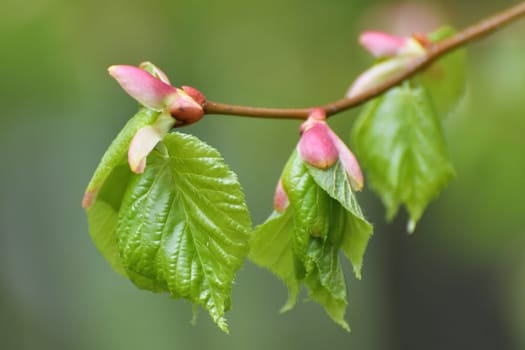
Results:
x,y
434,52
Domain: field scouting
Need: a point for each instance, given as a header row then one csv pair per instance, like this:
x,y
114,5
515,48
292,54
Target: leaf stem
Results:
x,y
434,52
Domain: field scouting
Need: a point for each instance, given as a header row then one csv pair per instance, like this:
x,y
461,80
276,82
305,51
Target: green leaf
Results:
x,y
271,247
118,149
302,244
183,225
336,183
445,79
400,142
325,280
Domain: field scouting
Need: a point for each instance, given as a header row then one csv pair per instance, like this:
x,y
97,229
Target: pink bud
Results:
x,y
280,198
143,87
185,109
349,162
316,147
381,44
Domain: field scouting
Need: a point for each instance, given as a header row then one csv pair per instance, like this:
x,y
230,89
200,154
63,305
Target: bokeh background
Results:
x,y
457,283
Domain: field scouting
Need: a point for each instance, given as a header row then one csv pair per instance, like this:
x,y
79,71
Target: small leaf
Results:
x,y
445,79
183,225
400,142
325,280
271,247
336,183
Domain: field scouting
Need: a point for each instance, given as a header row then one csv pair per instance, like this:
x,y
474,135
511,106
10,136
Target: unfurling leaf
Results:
x,y
302,244
400,142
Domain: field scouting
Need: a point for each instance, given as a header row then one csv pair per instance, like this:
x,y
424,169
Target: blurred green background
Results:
x,y
457,283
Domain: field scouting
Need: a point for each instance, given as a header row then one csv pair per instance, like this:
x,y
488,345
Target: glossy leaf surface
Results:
x,y
399,141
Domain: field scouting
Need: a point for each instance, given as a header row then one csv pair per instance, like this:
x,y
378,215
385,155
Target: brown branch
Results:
x,y
434,52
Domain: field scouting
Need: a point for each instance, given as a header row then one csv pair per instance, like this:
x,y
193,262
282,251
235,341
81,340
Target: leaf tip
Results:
x,y
292,300
223,325
357,271
345,326
411,226
88,199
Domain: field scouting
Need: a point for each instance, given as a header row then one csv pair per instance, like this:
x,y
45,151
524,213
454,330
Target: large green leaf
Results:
x,y
445,79
400,143
183,225
303,243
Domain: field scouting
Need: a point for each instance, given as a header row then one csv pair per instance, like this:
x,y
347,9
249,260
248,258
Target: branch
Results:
x,y
434,52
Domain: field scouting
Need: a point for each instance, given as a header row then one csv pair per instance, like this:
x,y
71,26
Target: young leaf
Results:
x,y
336,183
400,142
325,280
271,247
302,244
445,80
183,225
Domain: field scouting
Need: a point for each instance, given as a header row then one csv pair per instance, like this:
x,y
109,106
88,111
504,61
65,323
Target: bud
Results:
x,y
185,109
349,162
383,45
280,198
321,147
143,87
316,147
150,86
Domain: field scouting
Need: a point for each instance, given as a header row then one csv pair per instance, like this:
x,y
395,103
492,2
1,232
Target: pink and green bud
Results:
x,y
280,198
152,89
144,87
383,45
349,163
320,147
316,147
